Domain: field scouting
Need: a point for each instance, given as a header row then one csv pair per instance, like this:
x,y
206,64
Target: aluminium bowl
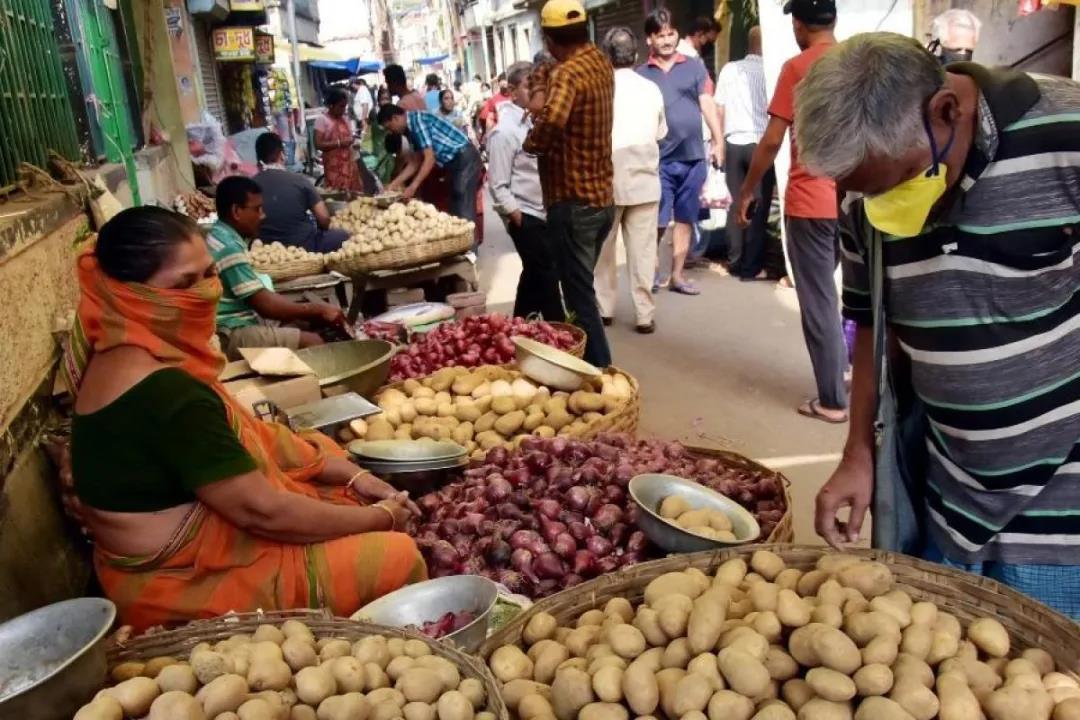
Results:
x,y
649,490
550,366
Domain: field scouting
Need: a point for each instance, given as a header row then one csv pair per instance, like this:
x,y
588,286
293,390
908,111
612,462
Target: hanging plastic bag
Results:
x,y
714,194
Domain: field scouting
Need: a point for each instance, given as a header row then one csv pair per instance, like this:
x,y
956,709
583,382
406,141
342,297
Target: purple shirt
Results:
x,y
682,87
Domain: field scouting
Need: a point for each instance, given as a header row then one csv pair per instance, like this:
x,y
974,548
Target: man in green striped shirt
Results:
x,y
970,185
248,300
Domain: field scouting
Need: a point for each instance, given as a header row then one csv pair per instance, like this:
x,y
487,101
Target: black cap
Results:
x,y
812,12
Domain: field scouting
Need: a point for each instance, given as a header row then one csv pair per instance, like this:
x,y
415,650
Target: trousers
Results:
x,y
538,287
464,173
814,254
577,233
746,246
637,223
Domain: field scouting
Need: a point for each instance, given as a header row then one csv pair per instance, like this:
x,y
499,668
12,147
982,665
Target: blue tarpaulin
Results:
x,y
432,59
353,66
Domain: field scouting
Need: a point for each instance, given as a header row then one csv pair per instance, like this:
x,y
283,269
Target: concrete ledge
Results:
x,y
28,218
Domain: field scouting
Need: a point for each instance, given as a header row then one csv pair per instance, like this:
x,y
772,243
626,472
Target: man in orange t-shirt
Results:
x,y
810,211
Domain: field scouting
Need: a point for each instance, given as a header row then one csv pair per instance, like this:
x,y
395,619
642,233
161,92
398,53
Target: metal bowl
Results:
x,y
551,366
430,600
416,478
649,490
359,366
52,660
406,451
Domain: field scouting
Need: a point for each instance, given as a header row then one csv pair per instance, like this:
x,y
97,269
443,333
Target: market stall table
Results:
x,y
460,268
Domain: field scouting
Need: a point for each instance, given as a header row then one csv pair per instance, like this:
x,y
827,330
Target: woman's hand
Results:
x,y
398,510
372,489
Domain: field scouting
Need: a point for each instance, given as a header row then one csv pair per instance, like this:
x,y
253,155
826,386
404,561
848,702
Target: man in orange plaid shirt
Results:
x,y
572,137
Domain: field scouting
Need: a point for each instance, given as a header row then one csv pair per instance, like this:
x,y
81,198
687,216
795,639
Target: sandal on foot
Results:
x,y
813,409
684,288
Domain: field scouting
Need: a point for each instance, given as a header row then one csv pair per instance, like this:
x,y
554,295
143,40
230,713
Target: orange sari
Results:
x,y
210,566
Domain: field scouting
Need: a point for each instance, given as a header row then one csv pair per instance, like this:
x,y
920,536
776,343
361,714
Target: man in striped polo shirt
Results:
x,y
971,194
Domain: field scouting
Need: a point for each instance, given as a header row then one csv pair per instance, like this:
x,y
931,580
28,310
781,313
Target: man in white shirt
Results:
x,y
742,102
514,182
362,101
639,124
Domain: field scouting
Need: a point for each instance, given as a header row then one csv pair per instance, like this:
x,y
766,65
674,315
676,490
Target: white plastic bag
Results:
x,y
714,194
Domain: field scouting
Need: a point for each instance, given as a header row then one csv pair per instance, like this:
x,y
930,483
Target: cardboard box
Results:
x,y
286,394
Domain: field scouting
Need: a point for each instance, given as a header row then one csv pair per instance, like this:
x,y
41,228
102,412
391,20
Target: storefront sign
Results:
x,y
264,48
234,44
247,5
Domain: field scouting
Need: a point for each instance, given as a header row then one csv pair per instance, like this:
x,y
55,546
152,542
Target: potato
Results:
x,y
822,709
692,694
706,621
796,693
673,614
908,667
677,654
729,705
780,665
373,648
257,709
830,685
811,582
620,608
917,699
800,644
420,684
1040,658
749,642
375,677
766,563
626,641
570,692
268,674
694,518
647,621
744,673
730,572
503,404
299,653
881,651
1016,703
957,700
102,707
418,711
836,650
917,641
208,665
791,610
1068,709
869,578
177,677
764,596
989,636
672,583
640,689
603,711
607,684
767,625
134,695
666,680
473,690
176,705
315,684
943,645
446,670
880,708
873,679
534,706
453,705
673,506
127,670
351,706
547,661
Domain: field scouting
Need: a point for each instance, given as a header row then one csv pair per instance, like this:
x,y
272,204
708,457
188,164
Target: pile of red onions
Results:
x,y
474,341
556,512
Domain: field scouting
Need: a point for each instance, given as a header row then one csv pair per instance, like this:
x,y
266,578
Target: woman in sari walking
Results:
x,y
334,138
196,507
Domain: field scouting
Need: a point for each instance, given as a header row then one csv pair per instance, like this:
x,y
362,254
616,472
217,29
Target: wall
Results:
x,y
41,560
181,50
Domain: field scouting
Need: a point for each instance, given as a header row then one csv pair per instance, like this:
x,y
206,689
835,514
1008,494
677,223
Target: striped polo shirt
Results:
x,y
984,303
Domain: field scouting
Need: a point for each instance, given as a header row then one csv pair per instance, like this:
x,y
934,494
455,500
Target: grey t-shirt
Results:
x,y
287,197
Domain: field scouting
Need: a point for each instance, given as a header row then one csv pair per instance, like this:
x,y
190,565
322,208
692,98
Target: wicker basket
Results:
x,y
179,642
783,531
578,348
1030,624
291,269
401,257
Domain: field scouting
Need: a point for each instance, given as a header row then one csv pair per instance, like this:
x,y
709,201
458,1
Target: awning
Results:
x,y
353,66
432,59
308,52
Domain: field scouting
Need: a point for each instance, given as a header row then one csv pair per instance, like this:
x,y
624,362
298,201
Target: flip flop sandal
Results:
x,y
813,409
686,288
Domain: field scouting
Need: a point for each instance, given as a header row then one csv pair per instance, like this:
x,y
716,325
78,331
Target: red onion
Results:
x,y
606,564
443,555
498,552
580,531
564,546
498,489
636,542
521,560
551,530
629,558
509,511
607,516
584,563
549,508
571,580
548,566
577,498
528,540
599,546
617,534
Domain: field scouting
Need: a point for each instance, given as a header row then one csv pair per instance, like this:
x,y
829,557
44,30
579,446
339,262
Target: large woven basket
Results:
x,y
291,269
179,642
784,530
578,348
1030,624
401,257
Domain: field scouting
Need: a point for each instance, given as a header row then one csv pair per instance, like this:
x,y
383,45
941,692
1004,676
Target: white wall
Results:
x,y
853,16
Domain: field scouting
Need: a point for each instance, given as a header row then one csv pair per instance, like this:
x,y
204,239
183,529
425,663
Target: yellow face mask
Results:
x,y
902,211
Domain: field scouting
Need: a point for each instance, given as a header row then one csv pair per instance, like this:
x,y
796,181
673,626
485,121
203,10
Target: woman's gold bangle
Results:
x,y
393,520
351,484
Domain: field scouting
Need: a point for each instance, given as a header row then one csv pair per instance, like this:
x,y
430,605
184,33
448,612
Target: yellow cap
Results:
x,y
560,13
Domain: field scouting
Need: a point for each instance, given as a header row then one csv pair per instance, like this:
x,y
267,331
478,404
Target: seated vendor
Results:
x,y
247,300
288,198
435,141
196,507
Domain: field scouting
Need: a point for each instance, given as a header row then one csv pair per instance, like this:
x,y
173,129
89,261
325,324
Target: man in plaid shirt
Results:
x,y
571,135
435,141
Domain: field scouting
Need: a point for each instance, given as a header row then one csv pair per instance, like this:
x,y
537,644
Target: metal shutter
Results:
x,y
208,77
622,12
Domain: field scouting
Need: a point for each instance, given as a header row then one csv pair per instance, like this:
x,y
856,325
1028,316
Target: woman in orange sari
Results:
x,y
334,137
196,507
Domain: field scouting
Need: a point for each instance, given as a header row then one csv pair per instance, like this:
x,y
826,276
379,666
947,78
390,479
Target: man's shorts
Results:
x,y
258,336
680,190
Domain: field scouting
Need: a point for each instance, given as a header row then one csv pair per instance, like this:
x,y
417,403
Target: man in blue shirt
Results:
x,y
435,141
684,83
433,89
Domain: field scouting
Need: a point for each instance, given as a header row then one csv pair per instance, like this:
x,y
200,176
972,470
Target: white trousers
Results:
x,y
637,223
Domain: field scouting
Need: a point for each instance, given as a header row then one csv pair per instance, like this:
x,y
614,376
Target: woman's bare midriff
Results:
x,y
134,534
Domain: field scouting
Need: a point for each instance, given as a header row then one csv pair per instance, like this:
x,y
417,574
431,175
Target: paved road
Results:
x,y
726,369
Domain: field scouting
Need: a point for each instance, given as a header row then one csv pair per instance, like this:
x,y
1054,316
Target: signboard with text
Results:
x,y
264,48
234,44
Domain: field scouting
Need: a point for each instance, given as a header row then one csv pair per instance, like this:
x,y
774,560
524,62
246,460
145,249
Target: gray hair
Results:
x,y
864,98
621,46
954,18
518,73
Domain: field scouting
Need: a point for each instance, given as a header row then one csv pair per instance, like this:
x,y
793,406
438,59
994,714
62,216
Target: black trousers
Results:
x,y
464,173
746,246
577,233
538,287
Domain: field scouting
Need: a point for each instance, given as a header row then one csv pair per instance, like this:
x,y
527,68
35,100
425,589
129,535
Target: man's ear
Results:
x,y
944,106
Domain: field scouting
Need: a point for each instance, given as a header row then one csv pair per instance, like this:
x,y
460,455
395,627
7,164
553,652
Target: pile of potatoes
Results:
x,y
706,522
769,642
488,407
268,255
284,673
372,229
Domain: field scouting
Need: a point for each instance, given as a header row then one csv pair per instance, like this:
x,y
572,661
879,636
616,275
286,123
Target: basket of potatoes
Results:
x,y
787,632
285,263
292,666
495,406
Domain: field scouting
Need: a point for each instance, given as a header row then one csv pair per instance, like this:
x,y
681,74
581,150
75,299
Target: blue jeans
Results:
x,y
1057,586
